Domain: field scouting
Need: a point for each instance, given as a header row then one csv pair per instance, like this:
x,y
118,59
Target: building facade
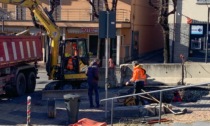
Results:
x,y
75,19
144,22
137,30
188,31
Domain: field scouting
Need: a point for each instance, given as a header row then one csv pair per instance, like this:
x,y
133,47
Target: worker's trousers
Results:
x,y
93,87
137,89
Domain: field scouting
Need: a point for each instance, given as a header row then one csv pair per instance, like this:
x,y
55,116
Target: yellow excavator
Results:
x,y
67,60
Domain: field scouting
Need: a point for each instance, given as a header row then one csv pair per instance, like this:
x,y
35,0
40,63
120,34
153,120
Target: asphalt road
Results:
x,y
13,109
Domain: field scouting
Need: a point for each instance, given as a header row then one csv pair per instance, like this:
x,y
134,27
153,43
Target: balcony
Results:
x,y
65,18
68,15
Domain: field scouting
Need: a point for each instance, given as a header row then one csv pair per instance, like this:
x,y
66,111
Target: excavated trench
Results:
x,y
191,94
130,114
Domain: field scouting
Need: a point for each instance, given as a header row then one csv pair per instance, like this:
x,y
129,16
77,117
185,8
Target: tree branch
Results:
x,y
94,9
174,10
114,5
106,5
152,5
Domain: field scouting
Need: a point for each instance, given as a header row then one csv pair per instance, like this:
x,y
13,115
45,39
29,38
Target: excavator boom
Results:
x,y
74,76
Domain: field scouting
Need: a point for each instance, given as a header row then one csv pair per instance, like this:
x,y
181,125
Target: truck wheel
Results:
x,y
20,84
31,82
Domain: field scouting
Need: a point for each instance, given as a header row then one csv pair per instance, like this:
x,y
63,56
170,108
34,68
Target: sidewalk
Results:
x,y
198,113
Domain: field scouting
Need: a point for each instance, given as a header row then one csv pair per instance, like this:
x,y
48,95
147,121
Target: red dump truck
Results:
x,y
18,63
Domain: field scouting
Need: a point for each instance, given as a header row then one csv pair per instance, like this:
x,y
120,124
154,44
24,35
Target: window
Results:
x,y
197,41
4,7
82,49
196,44
76,48
19,13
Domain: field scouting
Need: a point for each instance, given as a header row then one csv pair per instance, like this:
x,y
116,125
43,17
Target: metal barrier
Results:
x,y
160,91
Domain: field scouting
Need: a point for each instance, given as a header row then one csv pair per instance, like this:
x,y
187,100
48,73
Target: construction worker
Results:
x,y
68,50
75,58
138,80
70,65
111,63
111,73
75,50
92,79
73,63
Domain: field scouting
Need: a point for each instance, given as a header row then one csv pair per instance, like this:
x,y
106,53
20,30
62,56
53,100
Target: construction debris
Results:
x,y
88,122
167,106
157,121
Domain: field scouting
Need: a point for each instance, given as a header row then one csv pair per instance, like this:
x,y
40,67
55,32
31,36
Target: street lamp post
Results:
x,y
207,37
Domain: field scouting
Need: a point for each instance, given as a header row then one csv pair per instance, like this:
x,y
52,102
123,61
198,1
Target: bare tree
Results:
x,y
96,13
162,7
114,6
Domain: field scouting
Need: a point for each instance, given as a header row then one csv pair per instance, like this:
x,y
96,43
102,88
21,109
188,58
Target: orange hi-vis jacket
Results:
x,y
70,64
138,74
75,52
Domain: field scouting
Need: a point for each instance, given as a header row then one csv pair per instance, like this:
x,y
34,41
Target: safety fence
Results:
x,y
150,92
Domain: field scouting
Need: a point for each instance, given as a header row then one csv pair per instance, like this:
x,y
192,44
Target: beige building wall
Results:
x,y
75,15
180,29
126,32
144,19
134,15
125,7
121,4
125,44
72,10
191,9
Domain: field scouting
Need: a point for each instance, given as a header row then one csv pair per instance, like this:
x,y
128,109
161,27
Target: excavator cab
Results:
x,y
75,59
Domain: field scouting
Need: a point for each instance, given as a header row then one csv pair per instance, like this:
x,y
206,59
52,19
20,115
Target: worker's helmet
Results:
x,y
134,63
74,45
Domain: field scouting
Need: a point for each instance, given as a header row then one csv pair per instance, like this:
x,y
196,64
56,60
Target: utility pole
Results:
x,y
107,30
207,37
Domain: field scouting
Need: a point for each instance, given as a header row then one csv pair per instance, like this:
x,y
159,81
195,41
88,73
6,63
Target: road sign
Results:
x,y
107,24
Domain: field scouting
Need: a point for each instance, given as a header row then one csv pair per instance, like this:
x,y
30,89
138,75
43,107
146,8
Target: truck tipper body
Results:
x,y
18,63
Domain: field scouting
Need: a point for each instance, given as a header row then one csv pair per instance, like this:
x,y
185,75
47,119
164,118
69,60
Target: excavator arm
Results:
x,y
45,20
